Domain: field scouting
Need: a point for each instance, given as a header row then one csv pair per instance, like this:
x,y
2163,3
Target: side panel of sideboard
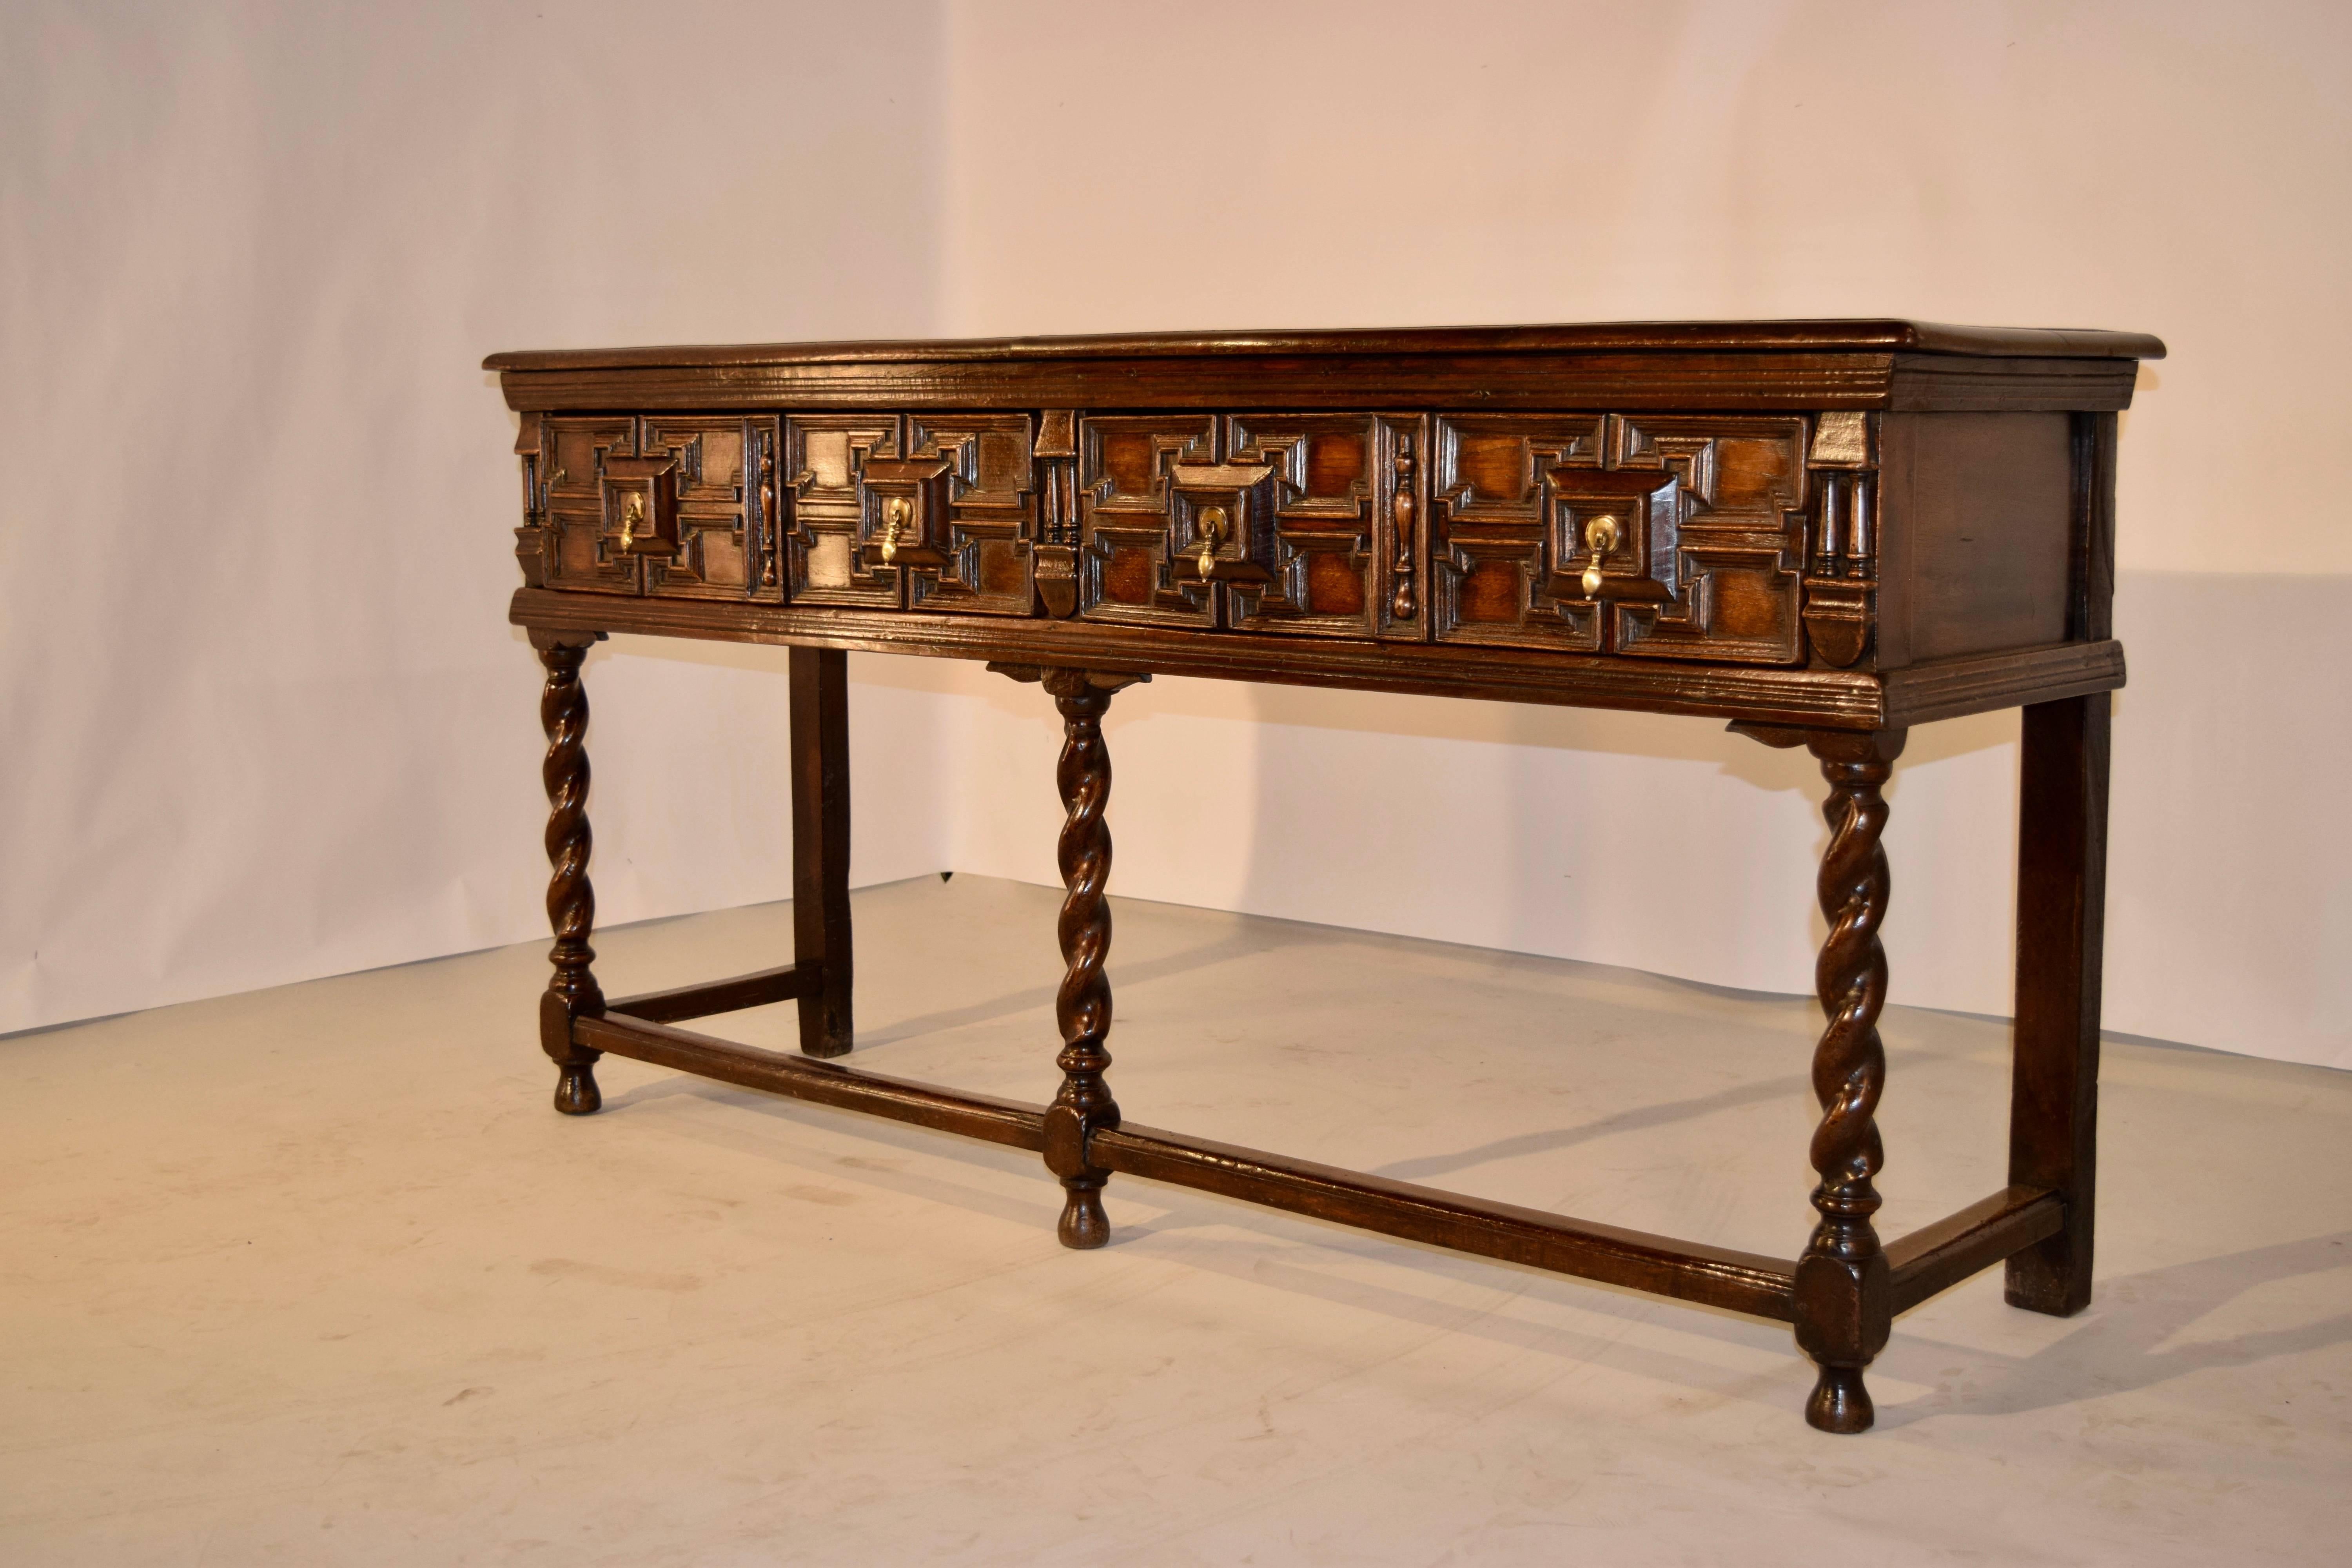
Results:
x,y
1977,551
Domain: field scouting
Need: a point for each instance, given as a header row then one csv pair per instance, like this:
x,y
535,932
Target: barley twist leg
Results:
x,y
572,991
1082,1009
1843,1304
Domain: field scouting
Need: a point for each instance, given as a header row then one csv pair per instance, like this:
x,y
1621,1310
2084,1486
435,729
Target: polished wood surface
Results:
x,y
820,751
1871,334
1843,1280
1823,698
572,991
1824,531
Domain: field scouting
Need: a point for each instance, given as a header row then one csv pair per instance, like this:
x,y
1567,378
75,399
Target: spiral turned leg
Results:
x,y
1842,1305
571,992
1083,1006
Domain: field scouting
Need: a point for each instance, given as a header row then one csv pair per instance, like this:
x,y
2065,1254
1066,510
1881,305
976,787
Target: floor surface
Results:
x,y
315,1274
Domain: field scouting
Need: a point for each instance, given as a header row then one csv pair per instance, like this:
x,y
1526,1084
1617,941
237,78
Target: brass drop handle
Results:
x,y
896,513
1211,525
632,516
1601,538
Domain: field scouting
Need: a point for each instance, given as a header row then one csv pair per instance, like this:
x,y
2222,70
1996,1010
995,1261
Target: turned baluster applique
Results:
x,y
1404,606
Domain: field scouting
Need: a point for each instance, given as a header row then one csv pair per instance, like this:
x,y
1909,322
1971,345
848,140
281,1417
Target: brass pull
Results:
x,y
633,515
1601,538
896,511
1211,525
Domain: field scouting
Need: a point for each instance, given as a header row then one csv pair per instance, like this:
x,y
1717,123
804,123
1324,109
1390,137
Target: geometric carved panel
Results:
x,y
982,534
1496,559
836,525
1661,536
1142,529
1284,523
724,508
582,546
1741,549
1669,535
1326,542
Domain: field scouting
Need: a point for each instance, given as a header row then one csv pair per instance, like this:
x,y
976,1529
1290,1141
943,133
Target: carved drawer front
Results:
x,y
580,544
928,511
1137,521
710,484
1662,536
1335,539
1261,523
973,503
1506,552
836,538
1740,555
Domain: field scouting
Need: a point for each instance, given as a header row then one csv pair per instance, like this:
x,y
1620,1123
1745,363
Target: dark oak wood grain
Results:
x,y
1084,1105
2062,875
1824,532
1824,698
981,1116
1983,559
1726,366
571,992
1690,1271
1861,334
1935,1257
820,731
1844,1305
757,989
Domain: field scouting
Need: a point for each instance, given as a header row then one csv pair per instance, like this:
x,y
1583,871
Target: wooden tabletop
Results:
x,y
1859,336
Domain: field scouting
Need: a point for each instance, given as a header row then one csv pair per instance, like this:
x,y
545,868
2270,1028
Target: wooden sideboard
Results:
x,y
1823,531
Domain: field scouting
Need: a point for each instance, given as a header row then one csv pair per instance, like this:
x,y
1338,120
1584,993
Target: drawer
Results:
x,y
1285,524
579,534
925,511
712,483
666,506
974,515
1650,536
1655,536
834,538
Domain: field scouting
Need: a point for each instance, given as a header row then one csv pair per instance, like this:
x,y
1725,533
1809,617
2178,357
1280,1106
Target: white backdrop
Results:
x,y
264,723
264,719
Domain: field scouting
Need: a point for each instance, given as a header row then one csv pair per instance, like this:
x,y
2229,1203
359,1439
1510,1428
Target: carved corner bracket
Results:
x,y
1839,614
1066,682
534,538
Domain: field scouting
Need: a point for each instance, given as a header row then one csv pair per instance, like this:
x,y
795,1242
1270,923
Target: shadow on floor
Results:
x,y
2126,1342
1642,1118
1255,943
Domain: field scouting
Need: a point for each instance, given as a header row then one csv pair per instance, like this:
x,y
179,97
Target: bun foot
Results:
x,y
575,1091
1840,1402
1084,1225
